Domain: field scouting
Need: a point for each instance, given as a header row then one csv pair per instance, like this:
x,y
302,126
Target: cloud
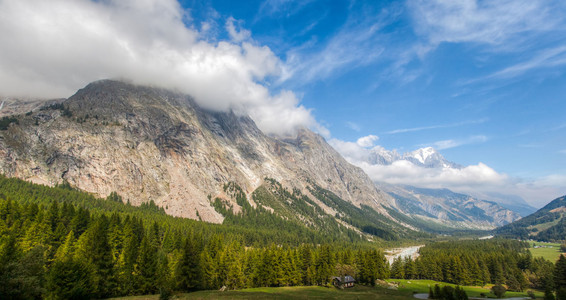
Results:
x,y
359,42
269,8
237,35
367,141
545,59
351,151
56,47
405,172
447,144
497,23
353,126
478,180
414,129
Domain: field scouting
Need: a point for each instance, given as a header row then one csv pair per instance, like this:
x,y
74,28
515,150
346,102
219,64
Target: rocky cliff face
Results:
x,y
153,144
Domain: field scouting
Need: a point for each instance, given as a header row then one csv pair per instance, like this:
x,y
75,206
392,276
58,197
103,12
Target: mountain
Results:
x,y
16,106
511,202
150,144
546,224
442,207
425,157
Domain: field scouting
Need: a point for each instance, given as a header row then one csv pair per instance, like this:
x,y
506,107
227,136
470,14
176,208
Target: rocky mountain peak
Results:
x,y
153,144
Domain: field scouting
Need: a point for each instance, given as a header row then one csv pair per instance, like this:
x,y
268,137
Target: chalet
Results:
x,y
343,282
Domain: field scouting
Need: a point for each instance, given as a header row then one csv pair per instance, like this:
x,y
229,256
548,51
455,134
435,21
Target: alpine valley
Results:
x,y
148,144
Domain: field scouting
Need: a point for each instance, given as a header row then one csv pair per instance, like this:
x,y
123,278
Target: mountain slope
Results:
x,y
153,144
435,207
546,224
446,208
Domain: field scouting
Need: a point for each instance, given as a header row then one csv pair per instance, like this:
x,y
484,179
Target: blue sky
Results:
x,y
495,88
481,81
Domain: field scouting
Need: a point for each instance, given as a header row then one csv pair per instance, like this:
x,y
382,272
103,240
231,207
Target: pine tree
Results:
x,y
548,295
68,279
397,269
163,281
560,273
437,291
210,274
188,273
94,249
146,268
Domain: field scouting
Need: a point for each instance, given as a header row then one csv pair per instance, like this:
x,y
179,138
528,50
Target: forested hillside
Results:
x,y
64,244
60,243
547,224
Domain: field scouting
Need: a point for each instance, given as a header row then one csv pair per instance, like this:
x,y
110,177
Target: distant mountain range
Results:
x,y
442,206
149,144
446,208
425,157
546,224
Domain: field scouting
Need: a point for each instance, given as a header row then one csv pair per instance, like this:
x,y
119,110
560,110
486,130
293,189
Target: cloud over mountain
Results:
x,y
427,168
58,46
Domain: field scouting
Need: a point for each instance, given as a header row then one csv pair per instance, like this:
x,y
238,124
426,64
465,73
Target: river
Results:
x,y
412,252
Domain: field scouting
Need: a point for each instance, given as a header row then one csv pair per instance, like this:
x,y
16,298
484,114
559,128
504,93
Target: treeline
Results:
x,y
58,249
256,227
475,262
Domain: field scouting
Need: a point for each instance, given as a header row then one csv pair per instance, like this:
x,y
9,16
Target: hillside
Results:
x,y
546,224
150,144
441,209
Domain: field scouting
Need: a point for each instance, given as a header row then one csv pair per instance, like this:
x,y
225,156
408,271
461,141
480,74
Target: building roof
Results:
x,y
347,279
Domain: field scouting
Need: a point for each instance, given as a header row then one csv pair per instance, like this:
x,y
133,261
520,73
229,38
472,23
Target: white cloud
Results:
x,y
351,151
447,144
56,47
237,35
405,172
414,129
490,22
357,43
367,141
477,180
353,126
545,59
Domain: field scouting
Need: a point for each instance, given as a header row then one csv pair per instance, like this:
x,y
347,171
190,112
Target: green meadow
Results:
x,y
406,289
421,286
548,253
298,292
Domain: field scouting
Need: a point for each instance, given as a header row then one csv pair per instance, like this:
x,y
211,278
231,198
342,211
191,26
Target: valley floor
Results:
x,y
421,287
407,289
300,292
549,251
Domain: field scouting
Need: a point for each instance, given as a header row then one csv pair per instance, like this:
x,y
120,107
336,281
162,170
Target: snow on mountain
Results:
x,y
425,157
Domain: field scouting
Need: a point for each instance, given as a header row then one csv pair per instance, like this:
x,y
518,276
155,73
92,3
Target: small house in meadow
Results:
x,y
343,282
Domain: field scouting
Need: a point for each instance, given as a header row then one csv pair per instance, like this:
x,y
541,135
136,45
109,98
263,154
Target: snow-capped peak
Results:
x,y
422,154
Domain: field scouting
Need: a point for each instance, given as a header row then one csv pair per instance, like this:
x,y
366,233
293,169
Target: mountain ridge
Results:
x,y
154,144
546,224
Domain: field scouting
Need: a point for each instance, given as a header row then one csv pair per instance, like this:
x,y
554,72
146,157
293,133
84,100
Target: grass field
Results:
x,y
421,286
551,254
405,291
300,292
